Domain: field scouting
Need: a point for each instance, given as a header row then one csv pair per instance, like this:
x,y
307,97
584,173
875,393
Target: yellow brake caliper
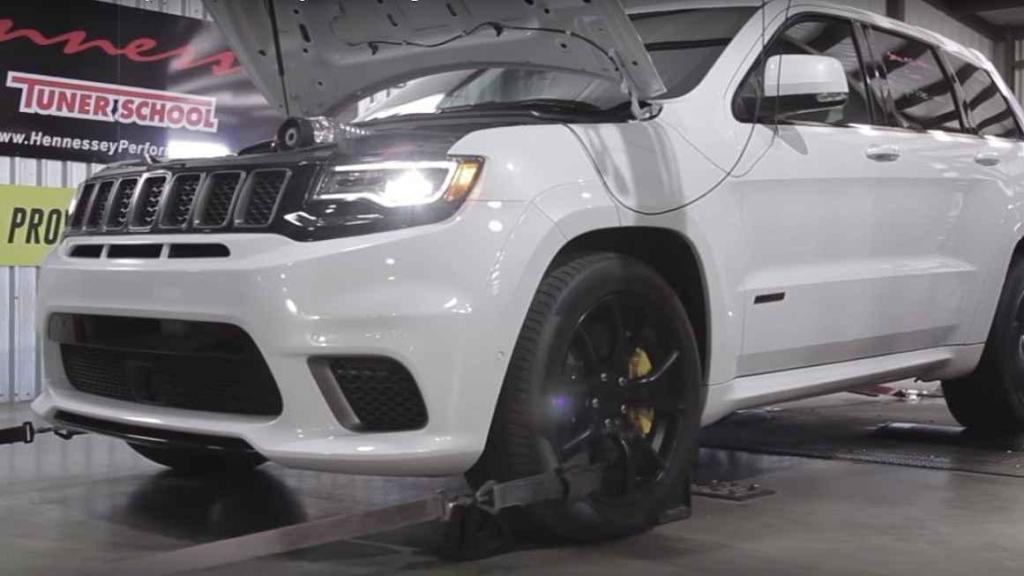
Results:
x,y
640,366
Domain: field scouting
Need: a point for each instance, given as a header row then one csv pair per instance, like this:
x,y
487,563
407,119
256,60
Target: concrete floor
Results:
x,y
70,507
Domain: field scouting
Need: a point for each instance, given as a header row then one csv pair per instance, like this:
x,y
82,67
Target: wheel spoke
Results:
x,y
582,438
656,374
639,461
587,343
653,389
628,464
621,343
648,451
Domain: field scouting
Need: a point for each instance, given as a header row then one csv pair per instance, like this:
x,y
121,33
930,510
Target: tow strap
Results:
x,y
473,527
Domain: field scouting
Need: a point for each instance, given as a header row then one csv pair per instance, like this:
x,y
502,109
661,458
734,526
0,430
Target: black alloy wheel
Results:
x,y
606,371
991,399
611,400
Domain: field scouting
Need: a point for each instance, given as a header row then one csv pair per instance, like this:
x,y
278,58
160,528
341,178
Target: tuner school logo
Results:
x,y
65,97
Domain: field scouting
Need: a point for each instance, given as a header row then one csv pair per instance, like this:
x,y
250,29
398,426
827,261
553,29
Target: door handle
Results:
x,y
884,153
988,159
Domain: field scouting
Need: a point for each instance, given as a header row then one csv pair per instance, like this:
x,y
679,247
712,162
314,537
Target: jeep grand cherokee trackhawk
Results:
x,y
573,232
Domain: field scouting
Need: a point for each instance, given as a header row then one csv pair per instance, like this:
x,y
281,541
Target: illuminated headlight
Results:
x,y
401,184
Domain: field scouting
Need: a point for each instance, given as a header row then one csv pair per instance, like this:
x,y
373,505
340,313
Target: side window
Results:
x,y
921,93
989,109
822,36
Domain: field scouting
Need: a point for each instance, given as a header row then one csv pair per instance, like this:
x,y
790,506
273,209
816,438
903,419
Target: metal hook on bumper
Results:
x,y
26,433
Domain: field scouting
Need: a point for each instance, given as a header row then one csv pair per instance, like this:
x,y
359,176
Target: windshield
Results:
x,y
495,87
684,45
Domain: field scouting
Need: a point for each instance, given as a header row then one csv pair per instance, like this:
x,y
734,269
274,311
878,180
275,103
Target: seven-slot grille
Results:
x,y
180,199
147,201
218,199
120,202
82,204
98,206
162,201
261,196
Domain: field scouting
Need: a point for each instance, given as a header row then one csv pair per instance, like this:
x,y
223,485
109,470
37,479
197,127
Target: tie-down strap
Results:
x,y
558,484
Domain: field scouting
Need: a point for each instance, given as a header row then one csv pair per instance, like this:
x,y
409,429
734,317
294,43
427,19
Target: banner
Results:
x,y
31,222
97,82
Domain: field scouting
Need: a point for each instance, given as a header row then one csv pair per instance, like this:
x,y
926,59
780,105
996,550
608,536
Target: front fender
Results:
x,y
545,169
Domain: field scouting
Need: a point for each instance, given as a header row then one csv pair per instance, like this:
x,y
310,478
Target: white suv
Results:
x,y
572,233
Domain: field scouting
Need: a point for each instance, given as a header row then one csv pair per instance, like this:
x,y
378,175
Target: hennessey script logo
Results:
x,y
53,96
142,49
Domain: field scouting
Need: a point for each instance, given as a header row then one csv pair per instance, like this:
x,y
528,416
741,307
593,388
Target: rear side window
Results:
x,y
685,44
987,105
817,35
922,95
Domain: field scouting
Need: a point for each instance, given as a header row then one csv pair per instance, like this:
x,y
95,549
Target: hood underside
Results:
x,y
314,57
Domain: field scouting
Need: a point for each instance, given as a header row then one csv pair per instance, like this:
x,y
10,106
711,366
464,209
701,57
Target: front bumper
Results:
x,y
430,297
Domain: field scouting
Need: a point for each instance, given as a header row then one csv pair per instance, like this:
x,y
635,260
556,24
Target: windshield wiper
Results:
x,y
551,108
539,104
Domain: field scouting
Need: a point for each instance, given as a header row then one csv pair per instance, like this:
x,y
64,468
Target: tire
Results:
x,y
991,399
523,436
198,461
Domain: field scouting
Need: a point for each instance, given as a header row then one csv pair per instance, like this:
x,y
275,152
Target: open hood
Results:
x,y
328,53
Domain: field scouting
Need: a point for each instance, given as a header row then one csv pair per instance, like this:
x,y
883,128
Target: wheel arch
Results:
x,y
984,313
670,254
1018,252
1016,257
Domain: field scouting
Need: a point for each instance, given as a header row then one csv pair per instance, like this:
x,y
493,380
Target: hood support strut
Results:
x,y
269,5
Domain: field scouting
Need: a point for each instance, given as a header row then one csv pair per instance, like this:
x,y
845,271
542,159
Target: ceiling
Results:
x,y
1005,16
996,19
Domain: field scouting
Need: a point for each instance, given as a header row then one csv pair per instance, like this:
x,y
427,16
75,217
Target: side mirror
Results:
x,y
801,83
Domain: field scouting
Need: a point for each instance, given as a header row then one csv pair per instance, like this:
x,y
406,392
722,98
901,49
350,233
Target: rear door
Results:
x,y
997,152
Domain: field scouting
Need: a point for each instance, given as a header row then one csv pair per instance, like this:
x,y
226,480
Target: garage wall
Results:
x,y
1017,83
877,6
19,379
920,13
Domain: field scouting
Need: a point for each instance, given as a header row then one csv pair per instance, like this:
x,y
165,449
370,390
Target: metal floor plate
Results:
x,y
884,430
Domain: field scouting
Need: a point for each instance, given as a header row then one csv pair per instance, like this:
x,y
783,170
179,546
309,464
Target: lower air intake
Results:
x,y
204,366
381,392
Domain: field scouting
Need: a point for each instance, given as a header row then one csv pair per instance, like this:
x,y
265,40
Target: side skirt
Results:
x,y
773,387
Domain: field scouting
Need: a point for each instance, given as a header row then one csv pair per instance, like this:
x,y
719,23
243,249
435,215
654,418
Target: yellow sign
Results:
x,y
31,222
